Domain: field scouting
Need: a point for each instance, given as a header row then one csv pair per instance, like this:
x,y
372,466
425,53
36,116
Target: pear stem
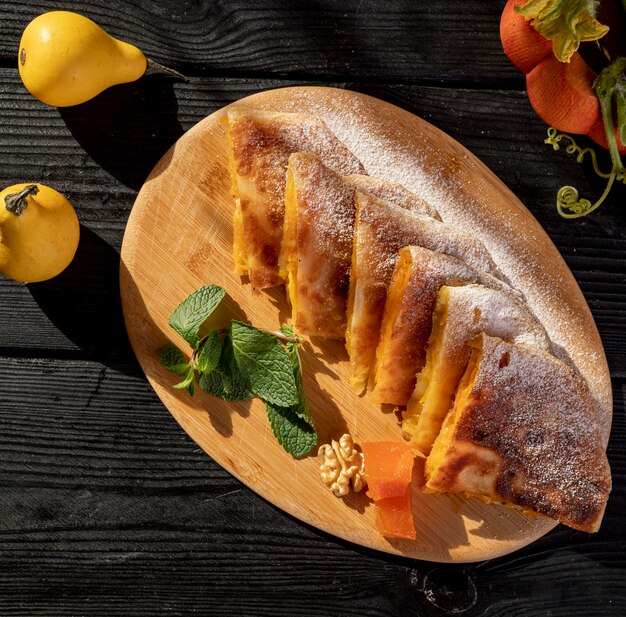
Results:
x,y
154,68
16,202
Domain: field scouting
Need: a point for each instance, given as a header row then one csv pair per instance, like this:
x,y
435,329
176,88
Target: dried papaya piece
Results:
x,y
389,471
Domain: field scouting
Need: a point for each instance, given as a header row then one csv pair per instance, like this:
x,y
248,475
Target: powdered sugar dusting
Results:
x,y
262,143
396,146
472,309
511,412
393,192
384,228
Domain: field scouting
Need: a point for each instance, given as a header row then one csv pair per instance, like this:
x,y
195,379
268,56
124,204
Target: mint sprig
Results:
x,y
240,362
173,359
208,354
293,433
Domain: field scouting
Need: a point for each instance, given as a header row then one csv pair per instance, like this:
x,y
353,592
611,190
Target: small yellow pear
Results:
x,y
39,232
66,59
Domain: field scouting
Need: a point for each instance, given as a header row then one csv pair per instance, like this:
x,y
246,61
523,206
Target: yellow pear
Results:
x,y
39,232
66,59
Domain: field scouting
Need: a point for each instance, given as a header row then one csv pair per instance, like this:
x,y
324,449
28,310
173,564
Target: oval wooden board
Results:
x,y
179,237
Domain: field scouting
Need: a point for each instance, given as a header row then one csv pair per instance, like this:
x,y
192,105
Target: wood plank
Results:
x,y
437,41
98,164
107,508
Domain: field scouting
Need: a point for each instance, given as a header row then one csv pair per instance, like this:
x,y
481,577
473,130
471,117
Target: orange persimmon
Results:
x,y
562,94
389,471
522,44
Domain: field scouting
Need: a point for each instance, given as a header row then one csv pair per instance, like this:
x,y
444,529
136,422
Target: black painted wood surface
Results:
x,y
106,506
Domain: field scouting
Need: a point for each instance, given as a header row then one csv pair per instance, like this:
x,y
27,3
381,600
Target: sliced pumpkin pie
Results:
x,y
260,145
460,315
381,230
408,317
394,193
318,237
523,431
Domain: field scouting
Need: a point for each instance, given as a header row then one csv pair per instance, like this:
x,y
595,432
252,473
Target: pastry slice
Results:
x,y
394,193
317,240
381,230
317,246
523,431
260,145
460,315
408,317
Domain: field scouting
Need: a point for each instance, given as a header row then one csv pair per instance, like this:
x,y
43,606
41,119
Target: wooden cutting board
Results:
x,y
179,237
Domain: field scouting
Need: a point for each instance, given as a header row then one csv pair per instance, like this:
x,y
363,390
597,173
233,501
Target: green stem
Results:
x,y
568,204
16,202
609,128
570,207
608,84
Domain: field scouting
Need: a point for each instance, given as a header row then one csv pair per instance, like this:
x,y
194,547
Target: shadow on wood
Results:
x,y
84,301
127,129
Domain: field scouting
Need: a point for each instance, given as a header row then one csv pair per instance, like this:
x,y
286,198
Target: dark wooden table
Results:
x,y
106,506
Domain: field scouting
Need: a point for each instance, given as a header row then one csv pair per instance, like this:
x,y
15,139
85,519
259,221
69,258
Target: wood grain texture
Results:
x,y
118,543
404,40
108,508
179,237
98,169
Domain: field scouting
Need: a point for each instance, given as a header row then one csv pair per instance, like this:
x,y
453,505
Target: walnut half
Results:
x,y
343,465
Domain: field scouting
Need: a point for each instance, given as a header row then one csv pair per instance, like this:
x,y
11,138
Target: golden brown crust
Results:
x,y
407,319
529,435
261,144
394,193
382,229
324,212
318,240
460,315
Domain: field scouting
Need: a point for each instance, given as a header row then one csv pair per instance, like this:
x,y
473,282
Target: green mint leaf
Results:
x,y
191,386
226,381
302,409
293,433
209,355
173,360
189,382
264,360
191,313
287,330
293,426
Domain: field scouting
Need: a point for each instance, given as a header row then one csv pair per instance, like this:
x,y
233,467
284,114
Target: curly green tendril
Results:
x,y
568,204
610,87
